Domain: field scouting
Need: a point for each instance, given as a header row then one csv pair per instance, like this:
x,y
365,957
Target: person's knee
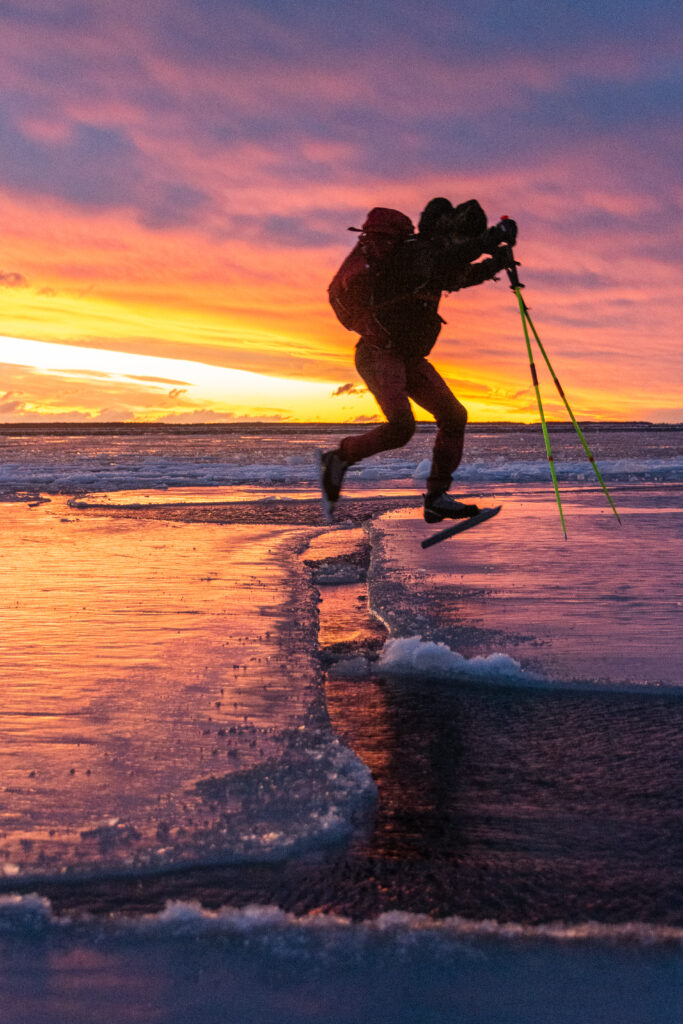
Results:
x,y
402,428
455,421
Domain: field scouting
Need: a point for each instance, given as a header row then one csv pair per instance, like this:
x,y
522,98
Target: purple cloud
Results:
x,y
349,389
11,279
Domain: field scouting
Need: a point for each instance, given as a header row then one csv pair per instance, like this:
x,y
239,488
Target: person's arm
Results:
x,y
454,253
477,273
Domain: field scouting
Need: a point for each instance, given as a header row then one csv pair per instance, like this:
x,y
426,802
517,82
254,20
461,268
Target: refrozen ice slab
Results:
x,y
603,608
161,700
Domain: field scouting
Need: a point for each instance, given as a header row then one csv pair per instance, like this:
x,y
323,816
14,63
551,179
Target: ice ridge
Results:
x,y
99,474
33,913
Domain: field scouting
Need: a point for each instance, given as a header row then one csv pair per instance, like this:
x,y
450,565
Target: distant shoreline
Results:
x,y
124,428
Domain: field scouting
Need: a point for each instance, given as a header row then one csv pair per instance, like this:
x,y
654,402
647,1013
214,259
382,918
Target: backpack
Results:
x,y
350,292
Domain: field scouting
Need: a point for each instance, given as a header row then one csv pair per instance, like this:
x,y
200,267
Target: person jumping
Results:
x,y
388,290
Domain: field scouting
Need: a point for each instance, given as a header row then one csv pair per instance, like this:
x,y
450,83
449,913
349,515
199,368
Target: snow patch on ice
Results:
x,y
311,796
26,913
414,656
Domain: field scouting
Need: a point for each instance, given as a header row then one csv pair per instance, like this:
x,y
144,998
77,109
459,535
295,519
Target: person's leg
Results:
x,y
428,388
385,375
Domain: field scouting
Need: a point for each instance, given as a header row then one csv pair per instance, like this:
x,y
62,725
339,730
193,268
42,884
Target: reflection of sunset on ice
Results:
x,y
164,704
212,698
165,655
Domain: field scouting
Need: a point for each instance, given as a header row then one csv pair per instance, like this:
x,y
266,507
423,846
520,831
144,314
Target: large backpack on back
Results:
x,y
350,291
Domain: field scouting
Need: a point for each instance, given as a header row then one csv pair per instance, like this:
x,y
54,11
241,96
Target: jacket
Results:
x,y
402,296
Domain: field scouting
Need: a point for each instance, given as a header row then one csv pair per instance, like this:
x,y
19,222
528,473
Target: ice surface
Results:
x,y
161,698
162,707
288,458
357,667
163,473
603,608
263,966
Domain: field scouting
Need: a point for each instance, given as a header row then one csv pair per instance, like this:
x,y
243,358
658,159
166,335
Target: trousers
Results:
x,y
394,379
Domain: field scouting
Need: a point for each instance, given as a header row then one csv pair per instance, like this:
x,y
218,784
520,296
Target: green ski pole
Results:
x,y
516,287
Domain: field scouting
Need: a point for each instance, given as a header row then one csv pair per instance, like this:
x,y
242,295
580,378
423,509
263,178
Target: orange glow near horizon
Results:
x,y
106,283
70,382
177,296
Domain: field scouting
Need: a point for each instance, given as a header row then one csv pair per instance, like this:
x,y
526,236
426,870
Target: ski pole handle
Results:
x,y
511,272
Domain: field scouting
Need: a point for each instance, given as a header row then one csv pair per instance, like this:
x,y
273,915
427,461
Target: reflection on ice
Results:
x,y
603,607
163,700
141,658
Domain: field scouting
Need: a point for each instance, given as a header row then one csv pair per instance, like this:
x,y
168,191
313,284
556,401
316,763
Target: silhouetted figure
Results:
x,y
388,291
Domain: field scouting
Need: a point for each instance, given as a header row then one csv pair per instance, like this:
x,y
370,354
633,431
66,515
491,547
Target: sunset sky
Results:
x,y
177,178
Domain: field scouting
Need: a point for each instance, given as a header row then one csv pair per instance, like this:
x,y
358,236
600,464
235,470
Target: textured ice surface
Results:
x,y
502,805
603,607
267,967
287,457
161,698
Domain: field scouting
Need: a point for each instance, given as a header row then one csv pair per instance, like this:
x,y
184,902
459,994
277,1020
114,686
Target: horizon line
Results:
x,y
323,424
